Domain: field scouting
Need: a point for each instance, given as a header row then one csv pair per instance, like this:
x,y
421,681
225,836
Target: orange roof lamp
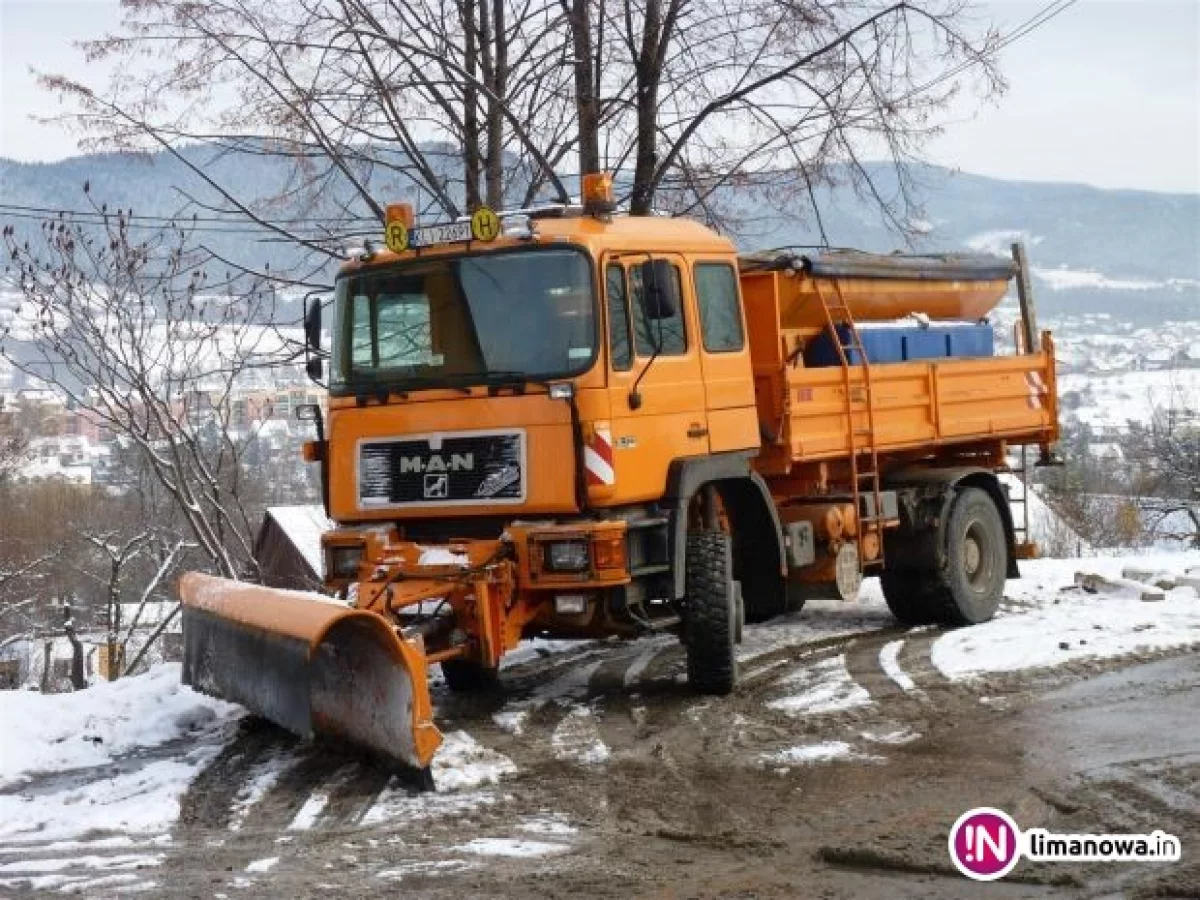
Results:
x,y
597,190
399,220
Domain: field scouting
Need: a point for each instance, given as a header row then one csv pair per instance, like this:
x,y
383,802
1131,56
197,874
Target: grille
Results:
x,y
475,468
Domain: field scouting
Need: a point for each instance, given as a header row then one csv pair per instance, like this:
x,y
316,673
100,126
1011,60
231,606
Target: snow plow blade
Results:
x,y
310,666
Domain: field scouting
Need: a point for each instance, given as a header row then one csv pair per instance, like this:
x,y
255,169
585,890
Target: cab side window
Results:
x,y
720,315
669,336
618,318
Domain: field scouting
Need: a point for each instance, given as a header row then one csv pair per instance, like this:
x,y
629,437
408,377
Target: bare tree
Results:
x,y
138,333
14,444
458,101
1168,457
774,98
697,105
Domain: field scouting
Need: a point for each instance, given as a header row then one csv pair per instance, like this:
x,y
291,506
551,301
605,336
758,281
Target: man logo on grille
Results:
x,y
437,486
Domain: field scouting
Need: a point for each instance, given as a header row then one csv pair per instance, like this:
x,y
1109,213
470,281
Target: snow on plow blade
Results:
x,y
311,666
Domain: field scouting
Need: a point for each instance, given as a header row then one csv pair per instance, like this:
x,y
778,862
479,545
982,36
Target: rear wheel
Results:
x,y
968,588
908,595
971,586
712,615
465,676
764,596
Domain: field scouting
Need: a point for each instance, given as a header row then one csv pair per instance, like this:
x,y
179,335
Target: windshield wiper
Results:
x,y
365,385
493,380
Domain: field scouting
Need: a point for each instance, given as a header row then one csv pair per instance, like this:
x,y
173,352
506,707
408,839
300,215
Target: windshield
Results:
x,y
521,315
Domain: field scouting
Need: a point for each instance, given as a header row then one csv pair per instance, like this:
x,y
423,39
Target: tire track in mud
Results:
x,y
209,799
865,667
916,660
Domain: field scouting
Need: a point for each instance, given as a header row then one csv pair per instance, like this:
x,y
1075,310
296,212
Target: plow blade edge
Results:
x,y
311,666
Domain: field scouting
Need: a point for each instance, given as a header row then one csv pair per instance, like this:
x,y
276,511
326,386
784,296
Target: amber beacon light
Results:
x,y
597,190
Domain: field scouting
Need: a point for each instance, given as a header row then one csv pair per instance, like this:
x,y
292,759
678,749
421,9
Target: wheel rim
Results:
x,y
977,560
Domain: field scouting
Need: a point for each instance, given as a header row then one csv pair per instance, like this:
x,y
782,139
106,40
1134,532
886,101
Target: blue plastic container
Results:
x,y
885,345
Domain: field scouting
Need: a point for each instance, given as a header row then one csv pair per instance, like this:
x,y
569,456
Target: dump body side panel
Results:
x,y
918,406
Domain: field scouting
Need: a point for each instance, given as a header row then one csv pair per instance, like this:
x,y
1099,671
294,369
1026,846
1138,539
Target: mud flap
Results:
x,y
311,666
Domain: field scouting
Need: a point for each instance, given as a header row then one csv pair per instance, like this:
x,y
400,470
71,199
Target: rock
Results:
x,y
1135,574
1093,583
1063,645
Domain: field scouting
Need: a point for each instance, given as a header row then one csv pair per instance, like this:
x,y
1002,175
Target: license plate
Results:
x,y
451,233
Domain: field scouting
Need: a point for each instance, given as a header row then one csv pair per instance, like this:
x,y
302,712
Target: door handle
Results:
x,y
696,430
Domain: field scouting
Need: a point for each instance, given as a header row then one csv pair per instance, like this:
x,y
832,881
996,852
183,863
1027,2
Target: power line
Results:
x,y
183,217
80,217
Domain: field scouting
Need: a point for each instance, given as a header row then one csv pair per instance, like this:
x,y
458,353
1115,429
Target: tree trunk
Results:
x,y
471,158
162,626
649,77
587,104
498,85
47,649
78,678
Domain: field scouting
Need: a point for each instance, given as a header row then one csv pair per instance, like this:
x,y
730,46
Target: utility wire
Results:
x,y
226,218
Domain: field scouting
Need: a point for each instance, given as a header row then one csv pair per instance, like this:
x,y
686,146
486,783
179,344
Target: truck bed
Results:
x,y
917,406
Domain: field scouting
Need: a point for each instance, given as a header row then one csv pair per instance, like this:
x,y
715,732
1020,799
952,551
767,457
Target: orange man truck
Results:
x,y
570,423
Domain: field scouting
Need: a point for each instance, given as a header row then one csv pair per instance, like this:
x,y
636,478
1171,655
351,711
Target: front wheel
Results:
x,y
711,622
465,676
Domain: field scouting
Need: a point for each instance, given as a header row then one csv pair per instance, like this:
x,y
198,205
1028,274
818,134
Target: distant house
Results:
x,y
288,546
1106,452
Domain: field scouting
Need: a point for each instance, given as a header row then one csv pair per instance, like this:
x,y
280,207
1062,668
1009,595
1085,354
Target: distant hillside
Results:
x,y
1131,253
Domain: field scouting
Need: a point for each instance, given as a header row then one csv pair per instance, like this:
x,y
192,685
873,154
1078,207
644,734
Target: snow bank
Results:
x,y
1057,622
821,687
461,767
577,739
462,763
512,847
55,732
811,754
144,801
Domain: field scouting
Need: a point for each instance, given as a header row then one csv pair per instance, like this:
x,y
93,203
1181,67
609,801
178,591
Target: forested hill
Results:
x,y
1096,250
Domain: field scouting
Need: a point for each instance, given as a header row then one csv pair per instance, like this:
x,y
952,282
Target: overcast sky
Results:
x,y
1107,93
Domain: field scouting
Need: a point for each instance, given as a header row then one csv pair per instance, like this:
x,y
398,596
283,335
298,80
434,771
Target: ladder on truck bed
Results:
x,y
864,456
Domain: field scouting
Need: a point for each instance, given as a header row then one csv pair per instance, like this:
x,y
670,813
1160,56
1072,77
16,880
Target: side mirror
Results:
x,y
660,290
315,367
312,325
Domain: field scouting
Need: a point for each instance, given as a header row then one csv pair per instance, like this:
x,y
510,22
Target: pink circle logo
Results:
x,y
985,843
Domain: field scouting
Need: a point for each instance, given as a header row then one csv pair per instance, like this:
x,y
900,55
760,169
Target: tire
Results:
x,y
465,676
764,596
971,585
907,594
710,626
739,612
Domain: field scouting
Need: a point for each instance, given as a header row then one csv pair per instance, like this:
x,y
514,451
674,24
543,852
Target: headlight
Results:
x,y
566,556
343,560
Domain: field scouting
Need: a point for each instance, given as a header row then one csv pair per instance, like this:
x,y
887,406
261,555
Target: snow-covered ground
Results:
x,y
105,769
45,733
1055,621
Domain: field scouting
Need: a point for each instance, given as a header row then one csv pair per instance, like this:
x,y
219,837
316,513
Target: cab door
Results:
x,y
656,384
724,355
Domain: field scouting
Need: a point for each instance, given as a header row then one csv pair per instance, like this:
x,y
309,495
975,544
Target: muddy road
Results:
x,y
836,770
